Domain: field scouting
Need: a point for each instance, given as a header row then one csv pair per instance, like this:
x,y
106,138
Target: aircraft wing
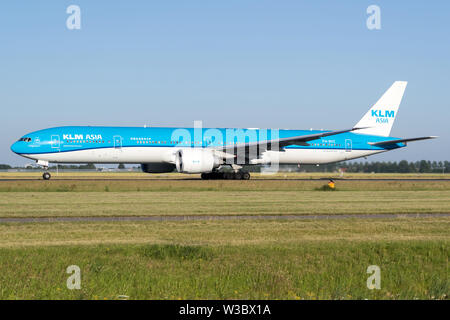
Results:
x,y
277,144
389,142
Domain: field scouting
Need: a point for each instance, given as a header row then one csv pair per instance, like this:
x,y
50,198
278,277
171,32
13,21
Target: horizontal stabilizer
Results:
x,y
383,143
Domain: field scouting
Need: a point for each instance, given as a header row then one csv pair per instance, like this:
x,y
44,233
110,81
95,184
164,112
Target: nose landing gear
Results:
x,y
44,164
46,176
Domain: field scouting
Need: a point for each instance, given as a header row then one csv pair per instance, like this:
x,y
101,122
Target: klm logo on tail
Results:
x,y
379,119
383,117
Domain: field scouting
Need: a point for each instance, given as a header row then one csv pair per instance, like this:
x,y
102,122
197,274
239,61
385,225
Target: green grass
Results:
x,y
224,259
66,204
316,270
215,185
222,233
177,252
269,259
190,197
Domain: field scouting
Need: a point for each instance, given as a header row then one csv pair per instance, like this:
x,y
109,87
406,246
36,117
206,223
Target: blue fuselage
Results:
x,y
71,138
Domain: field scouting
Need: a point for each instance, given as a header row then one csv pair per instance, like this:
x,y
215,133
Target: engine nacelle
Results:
x,y
157,167
195,161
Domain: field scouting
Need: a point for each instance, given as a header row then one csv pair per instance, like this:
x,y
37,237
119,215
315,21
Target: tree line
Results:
x,y
403,166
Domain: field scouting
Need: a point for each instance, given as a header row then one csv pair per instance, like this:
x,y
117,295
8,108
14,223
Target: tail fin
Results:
x,y
380,118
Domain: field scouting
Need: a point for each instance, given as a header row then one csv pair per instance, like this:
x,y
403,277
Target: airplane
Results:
x,y
209,150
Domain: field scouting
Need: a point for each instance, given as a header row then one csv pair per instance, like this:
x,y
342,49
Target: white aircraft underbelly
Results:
x,y
320,156
108,155
161,154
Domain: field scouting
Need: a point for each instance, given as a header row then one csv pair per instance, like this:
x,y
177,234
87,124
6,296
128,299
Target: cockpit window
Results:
x,y
25,139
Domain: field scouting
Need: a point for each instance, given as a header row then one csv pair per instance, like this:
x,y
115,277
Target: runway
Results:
x,y
198,179
221,217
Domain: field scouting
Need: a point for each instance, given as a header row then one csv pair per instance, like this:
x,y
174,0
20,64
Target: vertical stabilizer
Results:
x,y
380,118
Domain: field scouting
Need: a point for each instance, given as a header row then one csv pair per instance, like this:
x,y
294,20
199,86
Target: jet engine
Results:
x,y
195,161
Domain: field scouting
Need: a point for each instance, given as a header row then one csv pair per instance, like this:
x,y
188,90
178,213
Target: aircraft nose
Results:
x,y
15,147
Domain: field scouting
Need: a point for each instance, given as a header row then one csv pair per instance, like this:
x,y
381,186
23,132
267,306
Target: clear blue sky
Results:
x,y
234,63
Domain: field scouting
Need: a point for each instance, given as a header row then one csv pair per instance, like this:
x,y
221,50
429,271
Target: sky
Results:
x,y
235,63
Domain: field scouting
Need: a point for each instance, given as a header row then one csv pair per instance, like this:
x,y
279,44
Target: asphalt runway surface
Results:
x,y
198,179
224,217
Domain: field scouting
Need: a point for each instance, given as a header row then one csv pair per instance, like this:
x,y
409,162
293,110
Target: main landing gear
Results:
x,y
216,175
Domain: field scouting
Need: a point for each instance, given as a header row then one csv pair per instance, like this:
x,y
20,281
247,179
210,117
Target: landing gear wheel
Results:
x,y
205,176
216,175
228,175
46,176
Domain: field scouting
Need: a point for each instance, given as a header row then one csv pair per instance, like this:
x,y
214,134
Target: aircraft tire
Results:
x,y
46,176
205,176
228,176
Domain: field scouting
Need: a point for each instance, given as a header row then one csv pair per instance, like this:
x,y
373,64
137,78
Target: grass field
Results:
x,y
197,197
71,204
225,259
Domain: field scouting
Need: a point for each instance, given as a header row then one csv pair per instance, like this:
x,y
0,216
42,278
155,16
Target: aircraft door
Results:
x,y
55,142
348,145
117,142
117,153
